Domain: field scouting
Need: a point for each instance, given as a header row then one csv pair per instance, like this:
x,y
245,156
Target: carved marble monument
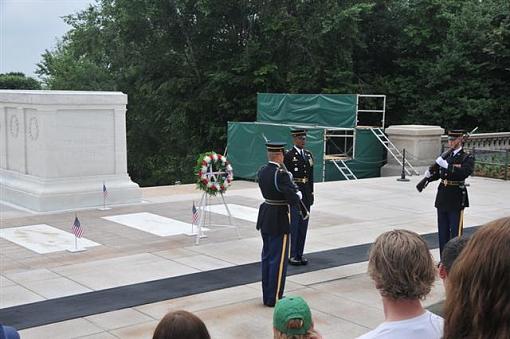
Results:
x,y
58,147
421,142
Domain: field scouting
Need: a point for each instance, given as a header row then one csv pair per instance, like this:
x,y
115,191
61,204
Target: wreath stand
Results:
x,y
204,209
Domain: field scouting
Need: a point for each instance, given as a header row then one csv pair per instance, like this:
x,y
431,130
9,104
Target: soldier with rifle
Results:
x,y
452,167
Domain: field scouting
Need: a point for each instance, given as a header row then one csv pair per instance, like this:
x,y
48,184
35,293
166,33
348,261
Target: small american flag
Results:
x,y
194,210
105,192
77,229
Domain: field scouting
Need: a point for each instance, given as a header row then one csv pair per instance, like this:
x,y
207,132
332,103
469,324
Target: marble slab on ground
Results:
x,y
237,211
43,238
154,224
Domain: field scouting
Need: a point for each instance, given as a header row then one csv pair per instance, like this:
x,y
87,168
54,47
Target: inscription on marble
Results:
x,y
33,129
14,126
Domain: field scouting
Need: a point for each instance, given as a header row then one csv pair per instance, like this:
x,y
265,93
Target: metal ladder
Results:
x,y
345,170
397,155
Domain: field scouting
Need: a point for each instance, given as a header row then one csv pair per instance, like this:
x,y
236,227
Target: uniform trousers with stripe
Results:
x,y
275,253
298,229
450,225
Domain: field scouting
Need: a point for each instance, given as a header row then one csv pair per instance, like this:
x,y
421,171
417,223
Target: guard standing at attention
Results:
x,y
452,195
299,162
280,193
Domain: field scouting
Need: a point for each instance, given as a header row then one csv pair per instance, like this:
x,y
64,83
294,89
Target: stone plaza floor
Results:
x,y
129,245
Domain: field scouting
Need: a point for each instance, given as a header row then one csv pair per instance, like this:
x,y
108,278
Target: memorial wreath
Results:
x,y
213,172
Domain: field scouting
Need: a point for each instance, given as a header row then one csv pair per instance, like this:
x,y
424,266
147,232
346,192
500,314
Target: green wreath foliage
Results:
x,y
213,173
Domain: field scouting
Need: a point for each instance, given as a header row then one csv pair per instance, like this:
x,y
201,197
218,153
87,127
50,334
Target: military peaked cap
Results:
x,y
455,133
298,132
275,146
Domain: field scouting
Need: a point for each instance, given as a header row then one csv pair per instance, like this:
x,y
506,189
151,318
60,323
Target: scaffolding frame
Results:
x,y
349,134
380,111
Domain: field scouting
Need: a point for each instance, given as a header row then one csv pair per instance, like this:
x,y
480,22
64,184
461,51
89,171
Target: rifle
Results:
x,y
435,167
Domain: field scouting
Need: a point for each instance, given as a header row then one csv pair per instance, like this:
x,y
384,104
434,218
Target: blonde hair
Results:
x,y
401,265
478,293
296,323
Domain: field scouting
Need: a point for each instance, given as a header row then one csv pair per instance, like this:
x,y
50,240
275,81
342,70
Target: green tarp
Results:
x,y
368,158
332,110
247,152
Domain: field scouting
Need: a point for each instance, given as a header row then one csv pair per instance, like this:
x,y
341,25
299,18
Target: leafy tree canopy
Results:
x,y
189,66
18,80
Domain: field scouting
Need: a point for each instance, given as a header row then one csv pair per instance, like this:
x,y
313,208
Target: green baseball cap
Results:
x,y
290,308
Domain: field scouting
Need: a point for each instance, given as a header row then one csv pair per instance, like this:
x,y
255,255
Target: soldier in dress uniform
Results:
x,y
452,195
299,162
280,193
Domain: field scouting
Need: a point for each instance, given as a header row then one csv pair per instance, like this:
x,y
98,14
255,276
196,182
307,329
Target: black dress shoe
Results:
x,y
304,261
269,305
294,262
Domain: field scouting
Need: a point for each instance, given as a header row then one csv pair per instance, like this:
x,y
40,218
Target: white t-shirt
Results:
x,y
425,326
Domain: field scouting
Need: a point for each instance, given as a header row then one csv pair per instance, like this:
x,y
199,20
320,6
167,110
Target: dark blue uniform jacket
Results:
x,y
301,168
454,197
276,186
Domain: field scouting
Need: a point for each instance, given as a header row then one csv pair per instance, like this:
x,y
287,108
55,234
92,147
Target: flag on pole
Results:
x,y
194,210
77,229
105,191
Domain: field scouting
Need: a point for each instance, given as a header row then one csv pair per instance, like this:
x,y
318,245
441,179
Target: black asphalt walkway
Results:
x,y
82,305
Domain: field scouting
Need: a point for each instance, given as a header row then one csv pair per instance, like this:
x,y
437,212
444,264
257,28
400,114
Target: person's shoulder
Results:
x,y
431,323
8,332
435,319
261,168
375,333
466,154
437,308
281,171
290,151
307,152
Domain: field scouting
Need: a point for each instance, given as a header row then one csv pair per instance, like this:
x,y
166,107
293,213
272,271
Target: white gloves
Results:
x,y
441,162
427,174
300,195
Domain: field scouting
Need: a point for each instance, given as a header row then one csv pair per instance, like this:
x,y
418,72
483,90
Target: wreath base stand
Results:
x,y
204,221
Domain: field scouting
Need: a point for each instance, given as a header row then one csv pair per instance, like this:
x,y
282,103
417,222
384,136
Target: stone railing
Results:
x,y
484,141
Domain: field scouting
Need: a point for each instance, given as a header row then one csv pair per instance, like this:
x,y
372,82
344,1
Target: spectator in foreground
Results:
x,y
292,319
7,332
451,251
478,290
181,325
403,271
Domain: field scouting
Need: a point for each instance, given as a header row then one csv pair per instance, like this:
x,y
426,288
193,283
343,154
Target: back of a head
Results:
x,y
292,319
452,250
401,265
181,325
478,295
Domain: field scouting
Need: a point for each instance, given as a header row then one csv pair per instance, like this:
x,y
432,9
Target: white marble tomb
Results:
x,y
58,147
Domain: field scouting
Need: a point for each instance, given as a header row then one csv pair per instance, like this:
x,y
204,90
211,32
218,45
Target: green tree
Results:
x,y
17,80
189,66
